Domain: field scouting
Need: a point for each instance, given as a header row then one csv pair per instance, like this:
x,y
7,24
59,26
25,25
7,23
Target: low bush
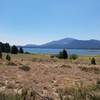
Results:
x,y
93,61
66,66
8,57
27,53
52,56
93,69
39,60
73,56
11,64
24,68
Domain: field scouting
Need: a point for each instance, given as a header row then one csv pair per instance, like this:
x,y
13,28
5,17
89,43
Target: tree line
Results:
x,y
6,48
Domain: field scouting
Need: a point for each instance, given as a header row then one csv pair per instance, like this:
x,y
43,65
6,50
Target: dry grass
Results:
x,y
47,75
66,66
80,92
92,69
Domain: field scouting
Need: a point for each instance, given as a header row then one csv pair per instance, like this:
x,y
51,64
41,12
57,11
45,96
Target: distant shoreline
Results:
x,y
62,48
56,51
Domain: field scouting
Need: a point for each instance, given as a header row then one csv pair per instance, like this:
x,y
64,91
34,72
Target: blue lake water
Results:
x,y
56,51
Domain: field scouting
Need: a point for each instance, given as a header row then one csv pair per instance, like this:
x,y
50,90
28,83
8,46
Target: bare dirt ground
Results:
x,y
46,74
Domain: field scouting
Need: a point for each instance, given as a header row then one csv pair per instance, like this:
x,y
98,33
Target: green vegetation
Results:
x,y
66,66
5,47
52,56
21,50
27,53
14,50
8,57
63,54
73,56
93,61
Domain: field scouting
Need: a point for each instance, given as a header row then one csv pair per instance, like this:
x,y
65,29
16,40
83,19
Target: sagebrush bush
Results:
x,y
27,53
66,66
52,56
73,56
8,57
93,69
11,63
24,68
93,61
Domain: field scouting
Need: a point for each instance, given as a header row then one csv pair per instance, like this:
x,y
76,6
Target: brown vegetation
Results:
x,y
48,75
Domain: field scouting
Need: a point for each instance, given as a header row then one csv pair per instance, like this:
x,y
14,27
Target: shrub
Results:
x,y
11,64
98,82
73,56
48,98
27,53
24,67
52,56
66,66
95,70
93,61
63,54
8,57
39,60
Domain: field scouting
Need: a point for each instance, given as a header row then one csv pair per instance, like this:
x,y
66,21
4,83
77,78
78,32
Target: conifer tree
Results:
x,y
63,54
14,49
21,50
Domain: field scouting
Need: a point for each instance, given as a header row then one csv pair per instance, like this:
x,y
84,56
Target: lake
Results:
x,y
56,51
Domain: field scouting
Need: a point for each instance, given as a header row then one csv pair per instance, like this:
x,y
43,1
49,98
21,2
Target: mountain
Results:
x,y
30,46
70,43
58,44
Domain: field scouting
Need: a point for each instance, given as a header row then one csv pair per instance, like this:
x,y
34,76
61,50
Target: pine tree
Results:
x,y
14,50
21,50
7,48
63,54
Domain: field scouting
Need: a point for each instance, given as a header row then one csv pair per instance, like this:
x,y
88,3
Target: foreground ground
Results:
x,y
47,75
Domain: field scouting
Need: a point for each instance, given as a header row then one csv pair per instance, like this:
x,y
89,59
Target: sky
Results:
x,y
40,21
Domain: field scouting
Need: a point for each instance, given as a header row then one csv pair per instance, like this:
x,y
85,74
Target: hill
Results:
x,y
70,43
